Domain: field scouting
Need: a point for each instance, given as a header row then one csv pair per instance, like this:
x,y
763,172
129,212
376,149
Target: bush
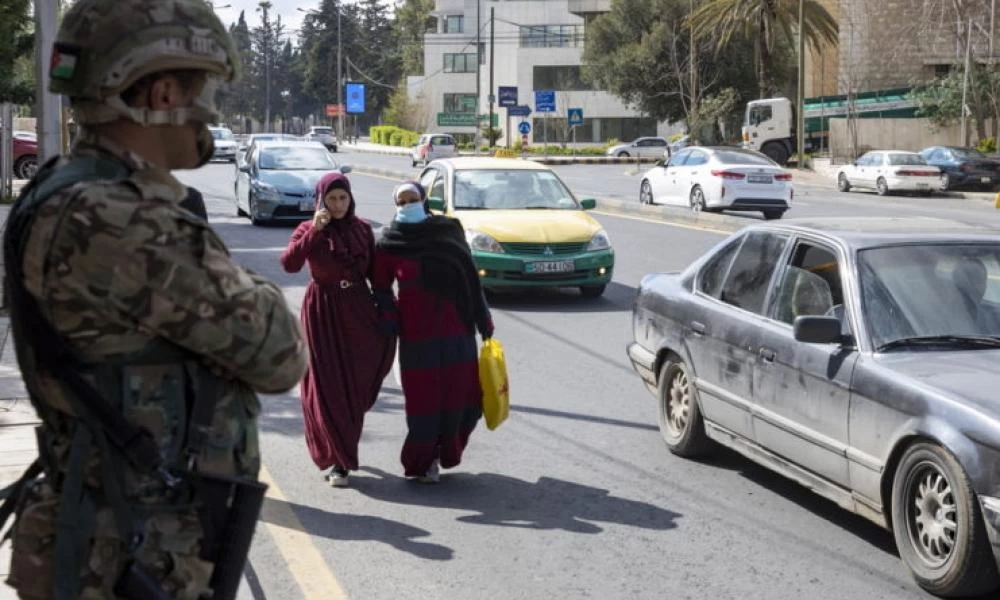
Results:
x,y
396,138
987,145
612,142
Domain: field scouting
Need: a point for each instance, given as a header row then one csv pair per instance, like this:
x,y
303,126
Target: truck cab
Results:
x,y
769,127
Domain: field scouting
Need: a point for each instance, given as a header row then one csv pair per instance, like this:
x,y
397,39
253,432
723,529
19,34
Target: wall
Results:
x,y
891,134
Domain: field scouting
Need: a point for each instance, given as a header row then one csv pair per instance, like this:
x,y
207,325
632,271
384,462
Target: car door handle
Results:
x,y
697,328
767,354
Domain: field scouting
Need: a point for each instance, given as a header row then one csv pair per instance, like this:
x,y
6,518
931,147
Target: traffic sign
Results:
x,y
575,116
508,95
519,111
524,128
545,101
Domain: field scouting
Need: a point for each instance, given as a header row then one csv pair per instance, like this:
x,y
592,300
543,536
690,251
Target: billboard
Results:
x,y
355,98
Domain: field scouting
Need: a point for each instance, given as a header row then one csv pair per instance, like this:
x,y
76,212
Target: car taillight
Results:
x,y
728,174
746,136
783,177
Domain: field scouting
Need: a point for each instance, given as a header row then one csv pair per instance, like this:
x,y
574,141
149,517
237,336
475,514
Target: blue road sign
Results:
x,y
355,98
524,128
519,111
508,95
545,101
575,116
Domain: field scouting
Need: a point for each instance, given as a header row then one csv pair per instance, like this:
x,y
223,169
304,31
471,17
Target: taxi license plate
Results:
x,y
560,266
759,179
305,206
986,179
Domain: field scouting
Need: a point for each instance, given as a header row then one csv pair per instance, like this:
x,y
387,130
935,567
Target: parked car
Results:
x,y
225,144
644,147
323,135
277,180
432,146
708,178
856,356
525,227
889,171
682,142
963,166
25,154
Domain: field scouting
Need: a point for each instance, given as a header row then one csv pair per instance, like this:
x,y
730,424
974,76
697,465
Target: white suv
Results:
x,y
323,135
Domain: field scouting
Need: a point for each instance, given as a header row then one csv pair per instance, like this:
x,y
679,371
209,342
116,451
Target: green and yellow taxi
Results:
x,y
525,227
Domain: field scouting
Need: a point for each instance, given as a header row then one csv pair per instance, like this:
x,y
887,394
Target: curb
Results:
x,y
545,160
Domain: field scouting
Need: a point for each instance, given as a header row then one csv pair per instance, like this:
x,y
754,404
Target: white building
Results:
x,y
537,45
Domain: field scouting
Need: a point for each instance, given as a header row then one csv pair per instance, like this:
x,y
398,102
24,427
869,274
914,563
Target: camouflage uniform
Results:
x,y
117,268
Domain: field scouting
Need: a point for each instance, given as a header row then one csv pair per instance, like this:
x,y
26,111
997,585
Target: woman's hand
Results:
x,y
321,219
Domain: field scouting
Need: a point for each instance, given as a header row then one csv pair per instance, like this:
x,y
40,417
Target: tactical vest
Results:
x,y
106,398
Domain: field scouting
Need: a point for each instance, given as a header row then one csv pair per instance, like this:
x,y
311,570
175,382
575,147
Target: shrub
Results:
x,y
396,138
987,145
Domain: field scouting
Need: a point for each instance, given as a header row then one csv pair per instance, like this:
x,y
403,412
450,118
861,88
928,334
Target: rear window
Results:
x,y
906,159
323,130
735,157
443,140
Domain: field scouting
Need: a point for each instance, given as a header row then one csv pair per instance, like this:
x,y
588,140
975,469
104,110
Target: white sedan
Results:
x,y
719,178
890,171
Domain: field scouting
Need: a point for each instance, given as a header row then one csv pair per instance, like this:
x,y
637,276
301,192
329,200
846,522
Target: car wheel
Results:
x,y
771,215
593,291
623,155
938,525
26,167
698,200
413,163
945,182
776,152
681,424
882,187
253,213
645,193
843,184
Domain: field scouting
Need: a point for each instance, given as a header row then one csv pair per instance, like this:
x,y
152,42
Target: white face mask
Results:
x,y
411,213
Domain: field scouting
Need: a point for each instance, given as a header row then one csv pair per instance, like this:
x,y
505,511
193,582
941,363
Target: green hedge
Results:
x,y
390,135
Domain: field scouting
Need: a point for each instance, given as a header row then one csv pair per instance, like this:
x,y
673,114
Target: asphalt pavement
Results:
x,y
575,496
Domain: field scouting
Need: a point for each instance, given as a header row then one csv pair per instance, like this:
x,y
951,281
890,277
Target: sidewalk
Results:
x,y
370,148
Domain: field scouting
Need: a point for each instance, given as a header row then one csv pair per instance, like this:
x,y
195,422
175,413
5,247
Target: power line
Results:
x,y
366,76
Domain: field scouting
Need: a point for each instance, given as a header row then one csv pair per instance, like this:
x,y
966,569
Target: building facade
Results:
x,y
536,45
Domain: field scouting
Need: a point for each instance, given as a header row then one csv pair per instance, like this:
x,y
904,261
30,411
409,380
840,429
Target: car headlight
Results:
x,y
266,191
482,242
600,241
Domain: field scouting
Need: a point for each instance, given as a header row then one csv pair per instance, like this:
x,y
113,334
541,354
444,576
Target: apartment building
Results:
x,y
536,45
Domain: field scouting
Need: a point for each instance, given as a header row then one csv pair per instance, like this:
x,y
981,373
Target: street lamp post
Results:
x,y
800,121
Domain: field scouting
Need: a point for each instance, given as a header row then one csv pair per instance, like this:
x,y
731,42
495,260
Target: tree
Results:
x,y
17,44
640,52
405,112
409,27
266,77
764,22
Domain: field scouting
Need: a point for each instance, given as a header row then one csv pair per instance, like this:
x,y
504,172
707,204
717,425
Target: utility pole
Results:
x,y
48,106
694,76
993,20
965,83
340,80
492,60
800,121
479,77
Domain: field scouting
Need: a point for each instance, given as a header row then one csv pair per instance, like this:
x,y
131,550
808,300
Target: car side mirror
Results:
x,y
345,169
435,203
588,204
818,330
244,168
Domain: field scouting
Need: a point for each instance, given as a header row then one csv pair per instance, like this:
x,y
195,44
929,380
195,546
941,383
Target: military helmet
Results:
x,y
105,46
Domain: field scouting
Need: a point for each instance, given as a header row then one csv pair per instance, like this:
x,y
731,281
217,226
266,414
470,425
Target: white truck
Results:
x,y
769,127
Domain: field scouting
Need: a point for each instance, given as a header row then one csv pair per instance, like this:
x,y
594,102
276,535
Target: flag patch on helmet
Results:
x,y
63,63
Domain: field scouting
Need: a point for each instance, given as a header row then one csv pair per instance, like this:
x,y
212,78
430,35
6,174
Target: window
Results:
x,y
460,103
460,63
437,190
679,159
551,36
454,24
810,286
626,128
482,53
696,159
759,114
750,275
564,78
714,272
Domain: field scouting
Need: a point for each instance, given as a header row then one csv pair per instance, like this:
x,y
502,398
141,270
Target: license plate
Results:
x,y
305,206
560,266
923,186
759,179
986,179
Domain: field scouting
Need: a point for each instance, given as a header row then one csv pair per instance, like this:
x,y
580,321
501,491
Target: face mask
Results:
x,y
411,213
206,146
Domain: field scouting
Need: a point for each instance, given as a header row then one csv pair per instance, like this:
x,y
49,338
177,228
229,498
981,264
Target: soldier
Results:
x,y
141,343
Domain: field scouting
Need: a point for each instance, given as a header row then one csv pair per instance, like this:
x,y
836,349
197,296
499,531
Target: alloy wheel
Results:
x,y
645,193
931,514
678,407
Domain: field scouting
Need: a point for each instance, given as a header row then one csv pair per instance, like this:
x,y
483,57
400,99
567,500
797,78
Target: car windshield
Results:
x,y
930,291
296,159
736,157
510,190
222,134
899,158
322,130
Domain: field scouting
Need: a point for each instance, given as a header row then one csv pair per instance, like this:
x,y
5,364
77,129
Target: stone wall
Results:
x,y
891,134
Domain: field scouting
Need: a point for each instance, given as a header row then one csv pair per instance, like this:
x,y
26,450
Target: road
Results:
x,y
621,182
576,495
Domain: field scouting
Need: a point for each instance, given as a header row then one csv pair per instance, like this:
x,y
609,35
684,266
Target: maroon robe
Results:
x,y
348,356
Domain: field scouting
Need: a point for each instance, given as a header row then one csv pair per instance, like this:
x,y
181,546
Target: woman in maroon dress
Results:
x,y
348,355
441,305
